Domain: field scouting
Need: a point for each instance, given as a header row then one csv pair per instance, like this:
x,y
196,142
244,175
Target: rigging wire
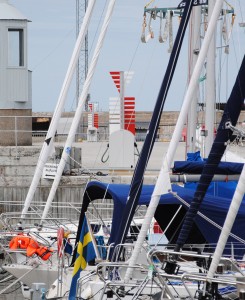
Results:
x,y
64,39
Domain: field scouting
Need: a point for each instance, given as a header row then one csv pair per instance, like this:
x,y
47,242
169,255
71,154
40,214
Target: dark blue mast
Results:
x,y
138,177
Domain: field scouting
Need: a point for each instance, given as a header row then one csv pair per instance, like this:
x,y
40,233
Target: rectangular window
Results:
x,y
15,47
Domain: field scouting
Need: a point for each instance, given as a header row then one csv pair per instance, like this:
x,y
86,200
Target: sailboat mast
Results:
x,y
210,90
193,82
194,48
122,87
167,161
48,143
138,177
78,113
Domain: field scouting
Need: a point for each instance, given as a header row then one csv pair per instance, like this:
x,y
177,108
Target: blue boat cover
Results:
x,y
194,156
214,208
196,167
217,188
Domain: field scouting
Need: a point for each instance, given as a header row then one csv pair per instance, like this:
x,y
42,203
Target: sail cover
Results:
x,y
196,167
214,208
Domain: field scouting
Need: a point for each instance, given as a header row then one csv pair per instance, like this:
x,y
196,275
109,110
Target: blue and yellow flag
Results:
x,y
85,253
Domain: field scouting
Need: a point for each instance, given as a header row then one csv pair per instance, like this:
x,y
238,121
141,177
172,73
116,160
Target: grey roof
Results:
x,y
9,12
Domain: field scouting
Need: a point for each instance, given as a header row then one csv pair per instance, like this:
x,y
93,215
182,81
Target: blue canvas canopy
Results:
x,y
214,208
196,167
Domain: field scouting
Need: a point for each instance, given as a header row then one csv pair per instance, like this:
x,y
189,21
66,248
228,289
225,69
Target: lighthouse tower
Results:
x,y
15,78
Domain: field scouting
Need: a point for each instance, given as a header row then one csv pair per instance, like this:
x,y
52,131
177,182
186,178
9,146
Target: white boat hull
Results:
x,y
42,274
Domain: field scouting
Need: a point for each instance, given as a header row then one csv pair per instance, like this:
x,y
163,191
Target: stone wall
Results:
x,y
16,127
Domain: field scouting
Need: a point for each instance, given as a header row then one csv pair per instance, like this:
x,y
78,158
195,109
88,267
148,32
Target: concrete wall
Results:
x,y
16,127
17,167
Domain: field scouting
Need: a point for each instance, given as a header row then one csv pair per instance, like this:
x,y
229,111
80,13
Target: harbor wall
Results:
x,y
142,119
17,167
18,163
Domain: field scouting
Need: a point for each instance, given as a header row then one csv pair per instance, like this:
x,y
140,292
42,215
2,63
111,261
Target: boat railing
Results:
x,y
104,250
45,234
105,270
186,267
192,282
69,211
209,248
12,221
167,255
83,280
111,274
57,209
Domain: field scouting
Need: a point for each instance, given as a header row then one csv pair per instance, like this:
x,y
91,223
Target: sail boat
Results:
x,y
216,14
165,167
137,180
152,132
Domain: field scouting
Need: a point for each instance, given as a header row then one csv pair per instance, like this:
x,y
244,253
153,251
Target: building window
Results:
x,y
15,47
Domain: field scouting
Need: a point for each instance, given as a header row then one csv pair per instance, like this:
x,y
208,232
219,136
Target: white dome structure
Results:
x,y
9,12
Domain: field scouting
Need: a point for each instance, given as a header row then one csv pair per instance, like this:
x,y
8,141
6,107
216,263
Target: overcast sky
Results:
x,y
51,38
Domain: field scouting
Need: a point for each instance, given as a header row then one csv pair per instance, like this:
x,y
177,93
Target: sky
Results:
x,y
52,36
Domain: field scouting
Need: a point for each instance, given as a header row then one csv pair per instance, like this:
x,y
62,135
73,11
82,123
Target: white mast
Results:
x,y
194,33
47,145
122,84
82,99
167,161
229,221
210,90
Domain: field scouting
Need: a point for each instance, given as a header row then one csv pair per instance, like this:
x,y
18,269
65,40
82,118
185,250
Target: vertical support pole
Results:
x,y
210,89
194,48
122,100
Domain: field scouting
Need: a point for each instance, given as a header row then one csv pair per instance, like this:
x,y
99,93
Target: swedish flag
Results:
x,y
85,253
